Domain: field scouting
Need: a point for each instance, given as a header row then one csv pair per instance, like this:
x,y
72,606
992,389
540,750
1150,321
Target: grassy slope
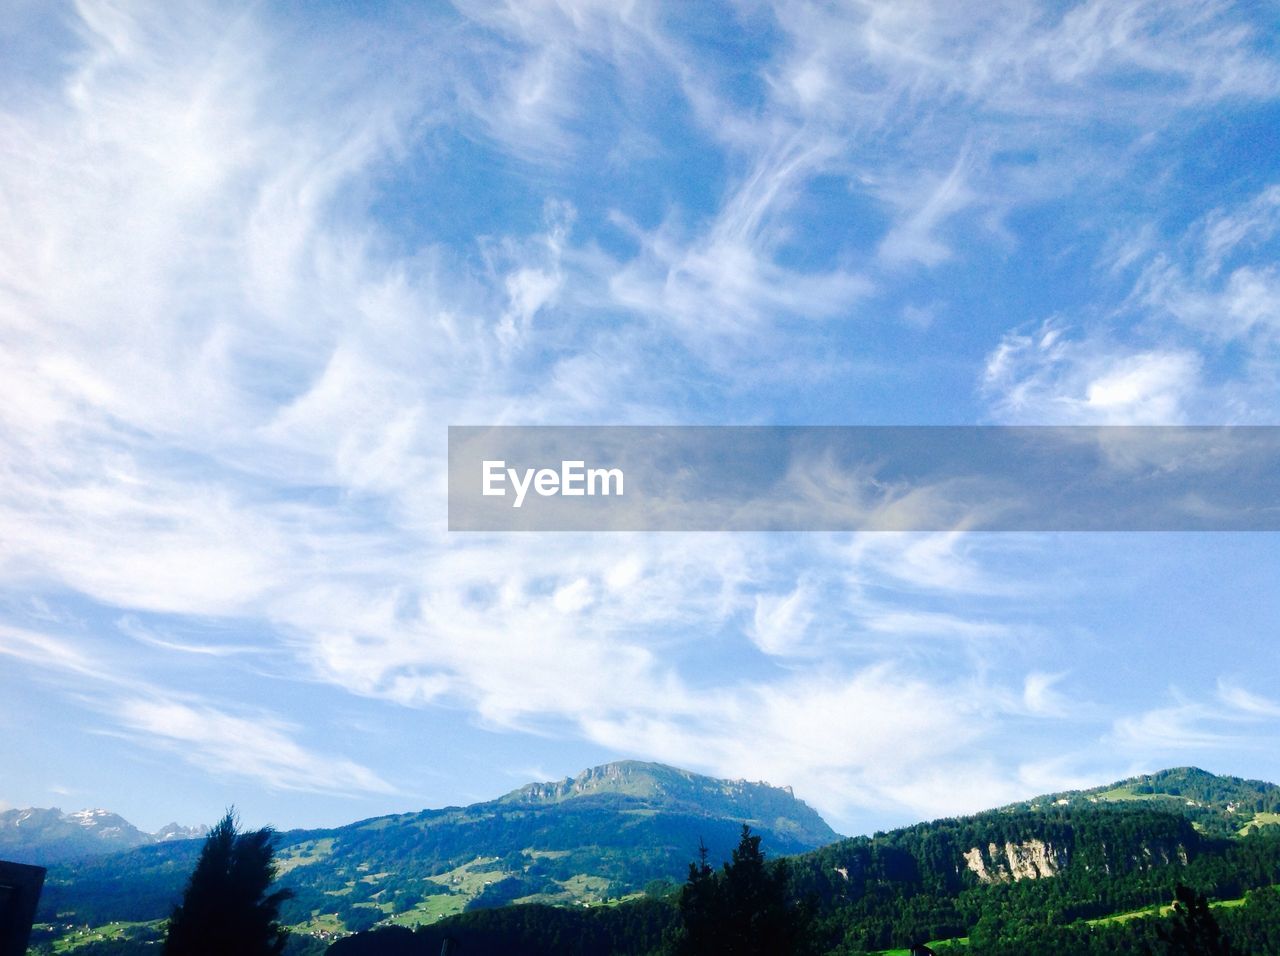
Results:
x,y
584,840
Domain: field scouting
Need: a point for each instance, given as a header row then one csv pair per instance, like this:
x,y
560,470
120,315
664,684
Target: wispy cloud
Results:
x,y
726,281
143,634
1247,702
1040,697
1161,356
258,747
1166,730
1041,376
45,651
252,269
1228,723
914,237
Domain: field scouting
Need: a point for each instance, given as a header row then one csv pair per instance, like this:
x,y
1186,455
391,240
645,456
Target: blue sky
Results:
x,y
253,261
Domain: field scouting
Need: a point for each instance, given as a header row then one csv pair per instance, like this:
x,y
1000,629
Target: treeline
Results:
x,y
1252,929
134,886
856,896
1247,796
532,930
912,886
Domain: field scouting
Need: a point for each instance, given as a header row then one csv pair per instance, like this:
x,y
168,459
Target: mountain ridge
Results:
x,y
1219,804
1090,872
629,829
651,780
601,835
50,835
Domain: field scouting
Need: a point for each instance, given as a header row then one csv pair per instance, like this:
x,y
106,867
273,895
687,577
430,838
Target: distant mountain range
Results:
x,y
603,834
628,830
44,836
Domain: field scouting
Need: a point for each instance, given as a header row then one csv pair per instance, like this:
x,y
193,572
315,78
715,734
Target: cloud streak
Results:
x,y
250,270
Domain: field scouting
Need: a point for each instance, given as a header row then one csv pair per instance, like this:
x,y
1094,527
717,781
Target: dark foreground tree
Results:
x,y
742,911
226,907
1194,931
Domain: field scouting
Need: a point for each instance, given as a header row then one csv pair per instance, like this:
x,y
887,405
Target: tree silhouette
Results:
x,y
1194,931
700,907
742,911
226,907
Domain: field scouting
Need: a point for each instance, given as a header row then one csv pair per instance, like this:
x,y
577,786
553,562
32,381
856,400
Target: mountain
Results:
x,y
1216,804
176,831
604,834
764,807
1082,872
44,836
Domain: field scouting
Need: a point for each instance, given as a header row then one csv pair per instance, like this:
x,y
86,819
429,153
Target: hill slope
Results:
x,y
1084,872
1220,805
602,834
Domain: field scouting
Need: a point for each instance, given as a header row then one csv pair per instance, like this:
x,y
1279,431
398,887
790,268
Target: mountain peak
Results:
x,y
1222,805
44,835
656,784
636,778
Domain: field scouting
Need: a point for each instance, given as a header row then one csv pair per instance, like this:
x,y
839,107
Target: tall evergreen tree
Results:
x,y
226,907
1194,931
701,910
743,911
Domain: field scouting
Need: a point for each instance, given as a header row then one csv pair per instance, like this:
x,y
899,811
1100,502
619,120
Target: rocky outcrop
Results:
x,y
1028,860
758,803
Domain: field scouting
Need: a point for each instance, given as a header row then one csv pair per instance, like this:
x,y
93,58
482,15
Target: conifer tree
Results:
x,y
1194,932
742,911
226,907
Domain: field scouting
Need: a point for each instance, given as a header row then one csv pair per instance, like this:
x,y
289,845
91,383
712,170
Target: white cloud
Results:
x,y
1018,58
152,637
1164,730
45,651
781,620
947,561
1247,702
1147,387
914,237
934,623
1208,282
1159,359
1041,699
223,381
726,282
872,738
1231,723
259,747
1043,377
1056,774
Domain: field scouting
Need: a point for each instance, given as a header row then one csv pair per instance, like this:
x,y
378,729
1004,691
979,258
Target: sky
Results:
x,y
254,260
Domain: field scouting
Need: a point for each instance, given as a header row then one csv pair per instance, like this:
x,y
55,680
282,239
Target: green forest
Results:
x,y
1177,862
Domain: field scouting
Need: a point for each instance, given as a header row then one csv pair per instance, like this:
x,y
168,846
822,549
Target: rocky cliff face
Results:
x,y
1038,860
672,788
1028,860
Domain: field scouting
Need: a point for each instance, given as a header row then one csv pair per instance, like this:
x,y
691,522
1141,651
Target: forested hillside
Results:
x,y
1089,872
601,835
